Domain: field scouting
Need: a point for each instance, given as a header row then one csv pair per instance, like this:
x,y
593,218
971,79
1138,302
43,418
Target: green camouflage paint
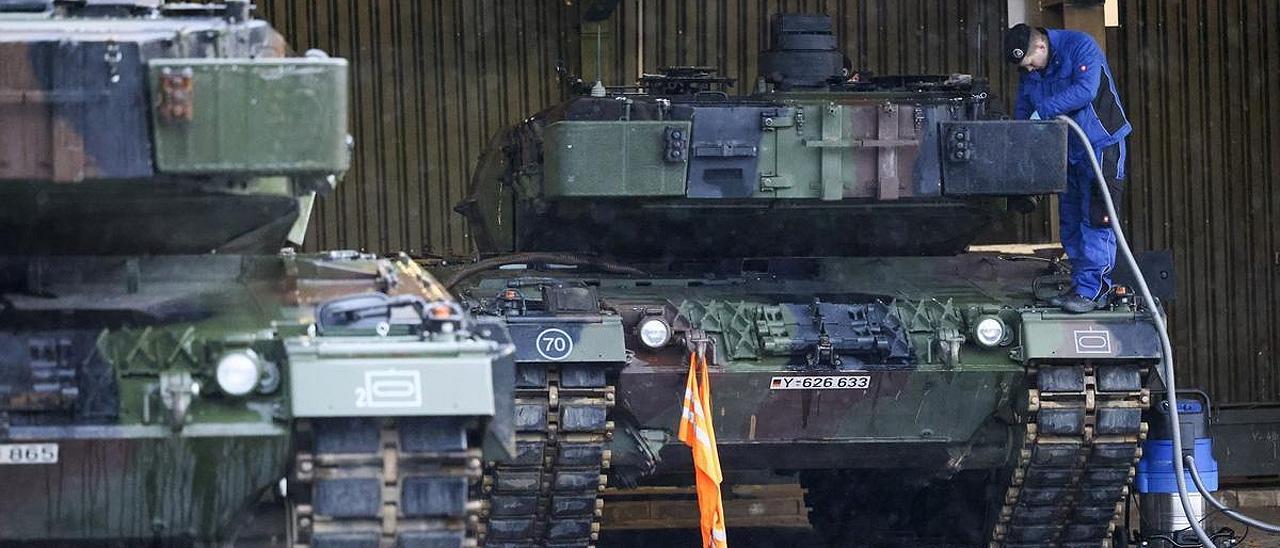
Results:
x,y
153,159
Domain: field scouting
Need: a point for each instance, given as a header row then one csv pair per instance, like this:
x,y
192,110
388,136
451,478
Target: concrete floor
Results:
x,y
1263,504
754,537
771,538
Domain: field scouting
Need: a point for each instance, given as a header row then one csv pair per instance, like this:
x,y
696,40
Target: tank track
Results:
x,y
1080,440
550,494
384,482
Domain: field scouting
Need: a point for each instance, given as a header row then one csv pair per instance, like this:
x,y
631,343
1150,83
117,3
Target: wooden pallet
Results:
x,y
780,506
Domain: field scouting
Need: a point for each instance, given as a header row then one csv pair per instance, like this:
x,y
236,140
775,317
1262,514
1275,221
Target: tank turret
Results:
x,y
803,53
164,363
814,163
148,128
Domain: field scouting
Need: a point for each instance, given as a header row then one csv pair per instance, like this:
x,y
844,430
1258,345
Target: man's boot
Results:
x,y
1076,304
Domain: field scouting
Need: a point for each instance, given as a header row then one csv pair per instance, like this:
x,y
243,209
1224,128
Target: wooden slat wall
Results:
x,y
887,36
434,79
1199,79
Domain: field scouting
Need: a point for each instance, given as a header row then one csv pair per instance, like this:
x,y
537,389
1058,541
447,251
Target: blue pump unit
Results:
x,y
1155,478
1155,471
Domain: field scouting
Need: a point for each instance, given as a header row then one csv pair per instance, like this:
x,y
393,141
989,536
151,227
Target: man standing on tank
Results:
x,y
1065,72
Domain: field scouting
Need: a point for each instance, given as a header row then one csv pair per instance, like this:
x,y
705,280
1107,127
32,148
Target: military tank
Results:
x,y
165,369
811,239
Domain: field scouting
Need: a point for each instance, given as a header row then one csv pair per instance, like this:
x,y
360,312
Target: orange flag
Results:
x,y
697,432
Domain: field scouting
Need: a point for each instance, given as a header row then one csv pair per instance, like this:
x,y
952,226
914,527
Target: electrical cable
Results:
x,y
1170,539
1166,346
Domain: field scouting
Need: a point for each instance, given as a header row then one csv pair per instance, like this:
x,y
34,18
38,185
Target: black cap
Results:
x,y
1017,40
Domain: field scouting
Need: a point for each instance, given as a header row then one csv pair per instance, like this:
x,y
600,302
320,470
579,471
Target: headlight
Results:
x,y
654,333
989,332
269,377
238,372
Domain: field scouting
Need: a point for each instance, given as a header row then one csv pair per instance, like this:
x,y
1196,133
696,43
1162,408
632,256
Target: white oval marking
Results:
x,y
1093,341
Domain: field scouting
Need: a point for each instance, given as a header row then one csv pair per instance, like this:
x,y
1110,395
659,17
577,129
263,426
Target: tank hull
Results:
x,y
164,365
892,409
117,426
134,484
908,419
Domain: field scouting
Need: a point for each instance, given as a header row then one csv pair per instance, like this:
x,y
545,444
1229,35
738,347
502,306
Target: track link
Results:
x,y
384,482
1077,449
550,494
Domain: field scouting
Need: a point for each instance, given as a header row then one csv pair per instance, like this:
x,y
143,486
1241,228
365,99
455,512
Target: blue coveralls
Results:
x,y
1077,82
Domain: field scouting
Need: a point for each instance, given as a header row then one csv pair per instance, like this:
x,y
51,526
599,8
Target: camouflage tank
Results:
x,y
164,366
811,239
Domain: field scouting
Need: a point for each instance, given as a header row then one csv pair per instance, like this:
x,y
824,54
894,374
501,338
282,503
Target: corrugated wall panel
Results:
x,y
434,79
886,36
1199,79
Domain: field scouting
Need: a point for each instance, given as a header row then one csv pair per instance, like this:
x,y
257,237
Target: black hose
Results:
x,y
1166,358
538,257
1234,514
